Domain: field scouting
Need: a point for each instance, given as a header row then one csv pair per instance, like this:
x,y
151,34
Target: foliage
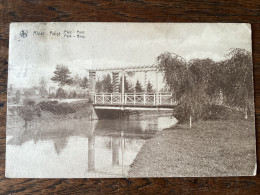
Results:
x,y
74,94
99,86
43,87
29,102
239,91
149,88
28,93
18,96
107,85
176,75
52,95
127,86
196,84
138,87
130,74
61,93
28,110
76,81
56,108
84,83
62,76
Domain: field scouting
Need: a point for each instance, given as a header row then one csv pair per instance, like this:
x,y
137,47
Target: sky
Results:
x,y
114,45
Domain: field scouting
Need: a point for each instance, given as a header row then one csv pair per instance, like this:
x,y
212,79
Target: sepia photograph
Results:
x,y
128,100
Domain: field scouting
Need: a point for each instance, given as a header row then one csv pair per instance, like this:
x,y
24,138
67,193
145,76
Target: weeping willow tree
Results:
x,y
238,73
197,83
189,82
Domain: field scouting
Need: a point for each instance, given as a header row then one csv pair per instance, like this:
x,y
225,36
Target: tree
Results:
x,y
107,85
99,86
84,83
28,93
28,110
74,94
43,87
61,93
138,87
149,88
18,96
76,81
196,84
130,74
128,88
62,76
189,83
238,76
201,98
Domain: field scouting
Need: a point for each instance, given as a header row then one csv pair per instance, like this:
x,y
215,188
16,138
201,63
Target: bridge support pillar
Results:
x,y
145,81
157,88
115,76
92,85
123,88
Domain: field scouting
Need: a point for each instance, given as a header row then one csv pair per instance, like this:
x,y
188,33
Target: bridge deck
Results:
x,y
141,108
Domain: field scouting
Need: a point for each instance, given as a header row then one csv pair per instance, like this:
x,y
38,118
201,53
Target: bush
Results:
x,y
52,95
55,108
61,93
29,102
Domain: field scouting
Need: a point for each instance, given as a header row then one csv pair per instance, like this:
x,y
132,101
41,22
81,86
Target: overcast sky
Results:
x,y
114,45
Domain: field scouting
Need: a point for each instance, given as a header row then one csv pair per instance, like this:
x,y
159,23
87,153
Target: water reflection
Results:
x,y
79,148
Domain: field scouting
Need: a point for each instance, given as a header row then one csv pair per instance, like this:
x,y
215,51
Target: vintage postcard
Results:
x,y
112,100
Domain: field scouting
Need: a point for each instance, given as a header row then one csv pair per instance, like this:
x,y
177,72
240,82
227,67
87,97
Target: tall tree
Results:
x,y
238,75
62,76
61,93
43,86
149,88
107,85
138,87
127,85
99,87
84,83
76,81
189,83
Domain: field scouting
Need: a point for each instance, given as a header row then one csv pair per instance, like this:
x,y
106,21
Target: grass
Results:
x,y
209,148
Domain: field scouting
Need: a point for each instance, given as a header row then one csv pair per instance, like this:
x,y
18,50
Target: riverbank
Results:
x,y
47,109
209,148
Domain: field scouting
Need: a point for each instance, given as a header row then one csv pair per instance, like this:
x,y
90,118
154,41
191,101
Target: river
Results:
x,y
77,148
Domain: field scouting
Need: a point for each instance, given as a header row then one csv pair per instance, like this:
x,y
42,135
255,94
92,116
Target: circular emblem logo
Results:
x,y
24,33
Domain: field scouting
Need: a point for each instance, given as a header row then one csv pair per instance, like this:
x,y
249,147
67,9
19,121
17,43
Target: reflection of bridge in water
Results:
x,y
116,141
129,101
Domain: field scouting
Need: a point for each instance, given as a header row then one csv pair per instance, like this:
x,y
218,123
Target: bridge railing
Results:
x,y
134,99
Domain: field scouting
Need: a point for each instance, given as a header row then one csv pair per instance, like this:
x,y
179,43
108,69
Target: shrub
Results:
x,y
61,93
55,108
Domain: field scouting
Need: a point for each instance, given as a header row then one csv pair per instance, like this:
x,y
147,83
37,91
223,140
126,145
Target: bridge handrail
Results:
x,y
132,93
134,98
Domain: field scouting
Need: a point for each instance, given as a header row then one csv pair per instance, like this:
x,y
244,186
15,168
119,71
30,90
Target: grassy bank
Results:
x,y
209,148
77,109
53,109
